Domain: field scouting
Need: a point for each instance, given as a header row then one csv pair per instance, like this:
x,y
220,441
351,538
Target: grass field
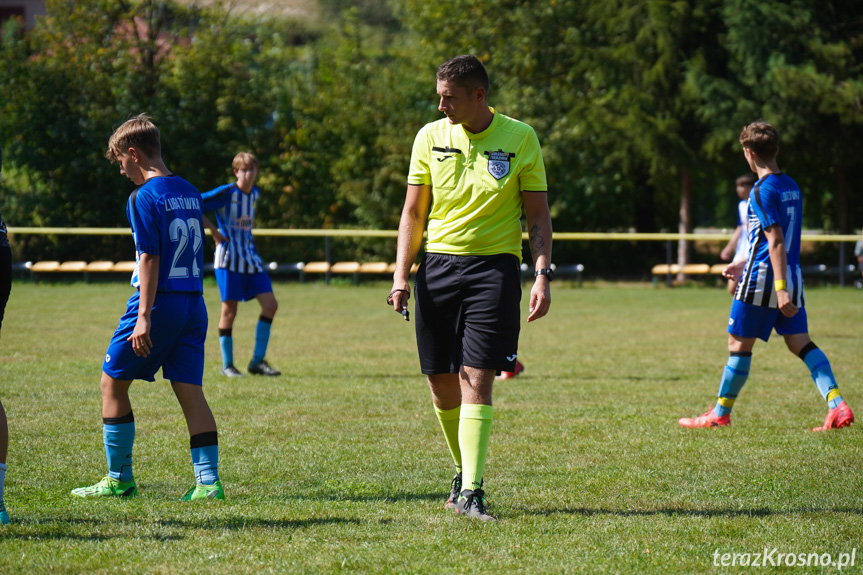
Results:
x,y
340,465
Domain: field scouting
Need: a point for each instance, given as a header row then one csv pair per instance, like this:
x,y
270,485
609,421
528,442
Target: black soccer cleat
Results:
x,y
231,371
472,504
455,490
262,368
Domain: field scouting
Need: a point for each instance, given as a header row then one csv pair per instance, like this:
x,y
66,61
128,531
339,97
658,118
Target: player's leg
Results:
x,y
118,436
4,444
746,324
230,292
203,442
473,437
492,321
226,338
838,412
446,397
259,286
184,368
5,279
5,289
437,318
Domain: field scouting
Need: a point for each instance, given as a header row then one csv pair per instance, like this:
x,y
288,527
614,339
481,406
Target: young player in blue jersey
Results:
x,y
5,289
770,293
239,269
165,323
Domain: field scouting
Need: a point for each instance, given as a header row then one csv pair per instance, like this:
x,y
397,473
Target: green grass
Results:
x,y
340,464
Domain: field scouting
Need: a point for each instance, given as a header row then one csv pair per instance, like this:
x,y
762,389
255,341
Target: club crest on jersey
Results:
x,y
498,163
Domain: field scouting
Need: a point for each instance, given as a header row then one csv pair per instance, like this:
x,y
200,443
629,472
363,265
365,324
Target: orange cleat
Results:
x,y
708,419
840,416
510,374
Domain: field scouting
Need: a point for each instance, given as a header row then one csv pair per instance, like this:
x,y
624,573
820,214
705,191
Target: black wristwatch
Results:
x,y
547,272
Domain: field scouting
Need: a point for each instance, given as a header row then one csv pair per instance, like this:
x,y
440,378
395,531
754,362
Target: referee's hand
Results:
x,y
540,298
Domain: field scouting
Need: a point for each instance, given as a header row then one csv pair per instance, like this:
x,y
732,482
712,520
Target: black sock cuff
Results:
x,y
205,439
265,319
806,349
128,418
740,354
226,332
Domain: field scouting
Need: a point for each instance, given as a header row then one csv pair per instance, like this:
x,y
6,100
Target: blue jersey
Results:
x,y
235,212
775,200
166,220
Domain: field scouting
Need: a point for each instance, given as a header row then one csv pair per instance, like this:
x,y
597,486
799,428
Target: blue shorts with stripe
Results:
x,y
178,329
235,286
747,320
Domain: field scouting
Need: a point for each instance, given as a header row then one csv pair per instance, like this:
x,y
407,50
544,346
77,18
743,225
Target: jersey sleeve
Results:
x,y
419,173
216,198
766,204
145,219
532,177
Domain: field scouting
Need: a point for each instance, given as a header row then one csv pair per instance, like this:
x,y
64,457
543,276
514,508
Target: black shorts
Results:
x,y
5,278
467,312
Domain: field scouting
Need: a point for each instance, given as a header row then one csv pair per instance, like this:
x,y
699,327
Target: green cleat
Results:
x,y
200,491
108,487
4,517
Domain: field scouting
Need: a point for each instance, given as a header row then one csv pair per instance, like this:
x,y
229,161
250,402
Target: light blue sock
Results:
x,y
733,377
118,434
2,481
822,374
226,343
205,457
262,338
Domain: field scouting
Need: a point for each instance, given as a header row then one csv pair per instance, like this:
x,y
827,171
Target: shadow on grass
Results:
x,y
69,529
675,512
379,498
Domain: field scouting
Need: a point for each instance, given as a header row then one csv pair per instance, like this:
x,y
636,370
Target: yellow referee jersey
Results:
x,y
476,181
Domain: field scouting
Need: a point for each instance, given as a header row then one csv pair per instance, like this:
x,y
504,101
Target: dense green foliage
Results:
x,y
638,104
339,466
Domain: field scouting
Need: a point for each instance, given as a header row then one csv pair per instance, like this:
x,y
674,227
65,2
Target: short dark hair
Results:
x,y
761,138
465,71
749,178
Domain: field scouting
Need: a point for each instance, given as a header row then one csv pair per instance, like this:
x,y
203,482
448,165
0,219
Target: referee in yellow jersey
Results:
x,y
471,174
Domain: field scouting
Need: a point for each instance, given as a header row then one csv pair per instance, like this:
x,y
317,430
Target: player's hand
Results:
x,y
734,270
726,253
783,301
540,298
140,338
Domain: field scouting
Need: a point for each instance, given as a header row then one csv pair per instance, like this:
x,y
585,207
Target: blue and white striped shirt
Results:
x,y
235,212
775,200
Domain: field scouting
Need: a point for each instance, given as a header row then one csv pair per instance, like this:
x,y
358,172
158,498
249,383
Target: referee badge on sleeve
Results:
x,y
498,163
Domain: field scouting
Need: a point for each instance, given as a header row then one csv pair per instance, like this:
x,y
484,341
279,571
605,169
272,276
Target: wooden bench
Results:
x,y
674,269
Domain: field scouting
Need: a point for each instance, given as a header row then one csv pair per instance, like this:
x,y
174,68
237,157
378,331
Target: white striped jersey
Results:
x,y
235,212
775,200
742,250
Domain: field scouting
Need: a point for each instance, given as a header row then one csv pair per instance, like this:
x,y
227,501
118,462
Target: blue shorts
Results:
x,y
747,320
178,329
234,286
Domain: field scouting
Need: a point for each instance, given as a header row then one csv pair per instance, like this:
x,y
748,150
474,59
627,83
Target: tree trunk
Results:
x,y
685,220
841,199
